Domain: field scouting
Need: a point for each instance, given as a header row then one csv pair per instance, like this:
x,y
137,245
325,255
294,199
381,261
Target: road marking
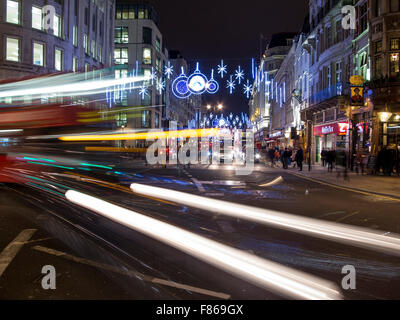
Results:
x,y
345,188
273,182
131,273
10,252
348,216
198,185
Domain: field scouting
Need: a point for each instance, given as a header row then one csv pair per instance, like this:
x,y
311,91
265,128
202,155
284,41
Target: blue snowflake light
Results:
x,y
231,85
247,89
169,70
143,91
239,75
222,69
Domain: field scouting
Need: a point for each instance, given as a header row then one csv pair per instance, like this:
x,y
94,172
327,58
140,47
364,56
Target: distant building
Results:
x,y
139,48
79,39
183,111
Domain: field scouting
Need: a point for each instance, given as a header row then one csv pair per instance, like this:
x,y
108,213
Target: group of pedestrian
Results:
x,y
328,157
286,156
388,160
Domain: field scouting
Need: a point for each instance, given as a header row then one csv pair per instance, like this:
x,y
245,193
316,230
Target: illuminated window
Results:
x,y
158,44
121,35
86,43
57,26
75,65
146,119
13,52
75,36
147,56
13,12
394,44
37,22
58,60
121,55
121,73
93,48
100,55
38,54
394,64
378,47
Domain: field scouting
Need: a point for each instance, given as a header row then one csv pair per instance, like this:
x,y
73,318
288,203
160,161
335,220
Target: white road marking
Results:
x,y
348,216
272,183
10,252
198,185
130,273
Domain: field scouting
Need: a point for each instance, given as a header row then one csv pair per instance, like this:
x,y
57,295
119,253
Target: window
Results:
x,y
394,5
75,66
378,66
13,52
37,18
75,36
38,54
394,64
100,54
94,24
121,35
158,65
156,120
93,48
85,43
121,55
57,26
13,12
121,73
58,60
394,44
158,44
147,36
378,8
147,56
363,21
378,47
86,16
146,119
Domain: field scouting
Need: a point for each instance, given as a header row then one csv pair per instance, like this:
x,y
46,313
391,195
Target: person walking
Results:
x,y
286,156
300,158
324,155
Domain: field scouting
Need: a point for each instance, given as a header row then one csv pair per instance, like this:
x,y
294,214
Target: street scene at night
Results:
x,y
188,151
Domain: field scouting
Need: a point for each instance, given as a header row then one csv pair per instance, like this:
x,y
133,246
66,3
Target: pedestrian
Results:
x,y
300,158
324,155
286,157
271,155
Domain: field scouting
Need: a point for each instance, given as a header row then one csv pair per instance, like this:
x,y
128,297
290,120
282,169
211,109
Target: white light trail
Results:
x,y
263,273
356,236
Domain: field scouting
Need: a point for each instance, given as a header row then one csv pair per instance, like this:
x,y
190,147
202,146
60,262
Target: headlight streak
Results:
x,y
356,236
261,272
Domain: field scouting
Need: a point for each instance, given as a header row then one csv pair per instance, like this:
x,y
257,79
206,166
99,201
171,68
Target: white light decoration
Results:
x,y
143,91
239,74
169,70
160,86
222,69
231,85
247,89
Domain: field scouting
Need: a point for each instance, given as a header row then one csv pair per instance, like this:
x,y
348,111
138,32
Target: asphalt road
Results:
x,y
96,258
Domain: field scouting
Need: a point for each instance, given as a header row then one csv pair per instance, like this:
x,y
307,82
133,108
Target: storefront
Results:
x,y
390,130
330,137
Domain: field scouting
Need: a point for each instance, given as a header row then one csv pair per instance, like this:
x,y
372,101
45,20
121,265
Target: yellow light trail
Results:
x,y
145,135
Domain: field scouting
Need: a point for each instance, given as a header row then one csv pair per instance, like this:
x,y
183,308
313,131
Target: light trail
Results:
x,y
356,236
144,136
263,273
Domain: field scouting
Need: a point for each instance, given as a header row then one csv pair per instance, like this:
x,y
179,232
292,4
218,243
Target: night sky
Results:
x,y
210,30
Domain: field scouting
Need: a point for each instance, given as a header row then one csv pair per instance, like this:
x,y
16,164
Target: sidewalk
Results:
x,y
380,185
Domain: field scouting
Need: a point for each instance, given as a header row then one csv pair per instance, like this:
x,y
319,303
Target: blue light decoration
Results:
x,y
247,89
231,85
197,84
253,68
222,69
212,85
180,86
169,70
239,74
160,86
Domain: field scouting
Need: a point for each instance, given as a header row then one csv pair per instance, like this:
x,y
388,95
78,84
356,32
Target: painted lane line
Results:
x,y
261,272
131,273
273,182
356,236
10,252
199,185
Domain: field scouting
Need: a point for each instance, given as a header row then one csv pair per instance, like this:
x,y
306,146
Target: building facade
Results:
x,y
79,37
139,48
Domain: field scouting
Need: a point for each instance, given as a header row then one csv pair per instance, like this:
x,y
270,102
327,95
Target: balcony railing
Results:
x,y
336,90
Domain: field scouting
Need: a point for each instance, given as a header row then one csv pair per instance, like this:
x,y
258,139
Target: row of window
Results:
x,y
13,53
121,36
394,45
13,15
121,56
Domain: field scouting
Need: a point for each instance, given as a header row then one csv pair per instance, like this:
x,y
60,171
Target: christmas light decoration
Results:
x,y
222,69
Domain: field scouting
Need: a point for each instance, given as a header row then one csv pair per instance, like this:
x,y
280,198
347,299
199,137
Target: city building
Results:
x,y
139,49
259,105
78,38
185,112
384,87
